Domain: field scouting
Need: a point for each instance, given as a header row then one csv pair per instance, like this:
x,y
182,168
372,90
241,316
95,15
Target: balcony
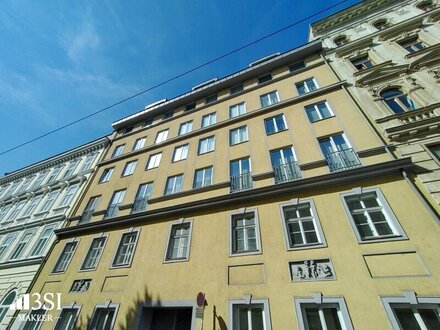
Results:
x,y
85,217
112,211
139,204
287,172
342,160
241,182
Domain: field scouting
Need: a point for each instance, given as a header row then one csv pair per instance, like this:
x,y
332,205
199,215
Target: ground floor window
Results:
x,y
249,315
103,317
67,318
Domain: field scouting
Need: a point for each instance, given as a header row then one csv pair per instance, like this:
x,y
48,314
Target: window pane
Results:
x,y
332,319
406,319
430,317
312,318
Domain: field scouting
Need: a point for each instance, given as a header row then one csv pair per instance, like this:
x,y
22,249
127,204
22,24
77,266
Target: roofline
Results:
x,y
233,79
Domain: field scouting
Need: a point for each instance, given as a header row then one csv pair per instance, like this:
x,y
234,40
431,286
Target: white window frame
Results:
x,y
180,152
55,173
238,131
70,306
139,143
154,161
127,264
68,196
32,205
34,319
16,211
74,241
49,201
269,98
167,257
173,190
185,127
412,301
21,245
88,161
236,303
129,168
98,256
40,179
106,174
203,170
232,248
161,136
42,241
6,237
316,222
319,302
275,125
119,149
398,233
239,107
26,183
105,305
315,107
115,201
303,83
4,211
211,118
206,144
71,168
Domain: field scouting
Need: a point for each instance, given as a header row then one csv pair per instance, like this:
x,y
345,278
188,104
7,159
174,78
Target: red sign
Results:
x,y
200,299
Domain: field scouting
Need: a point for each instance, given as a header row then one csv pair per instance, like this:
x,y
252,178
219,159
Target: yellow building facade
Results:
x,y
262,200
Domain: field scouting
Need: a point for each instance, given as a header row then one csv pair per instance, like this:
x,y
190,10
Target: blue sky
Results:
x,y
62,60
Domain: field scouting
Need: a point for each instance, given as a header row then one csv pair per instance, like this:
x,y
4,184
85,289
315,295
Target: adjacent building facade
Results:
x,y
262,200
35,201
388,52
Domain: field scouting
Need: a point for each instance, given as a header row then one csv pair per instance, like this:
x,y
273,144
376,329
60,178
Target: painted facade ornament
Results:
x,y
80,285
312,270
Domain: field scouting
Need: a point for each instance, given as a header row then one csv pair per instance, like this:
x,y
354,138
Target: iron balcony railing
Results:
x,y
112,211
241,182
287,172
342,160
139,204
85,217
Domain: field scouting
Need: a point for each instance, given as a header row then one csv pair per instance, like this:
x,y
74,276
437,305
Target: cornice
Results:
x,y
21,263
258,194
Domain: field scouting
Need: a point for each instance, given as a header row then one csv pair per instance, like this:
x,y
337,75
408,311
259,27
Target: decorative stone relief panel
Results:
x,y
312,270
80,285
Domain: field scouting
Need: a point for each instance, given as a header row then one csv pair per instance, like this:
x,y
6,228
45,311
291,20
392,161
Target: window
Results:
x,y
236,89
21,245
206,145
88,162
106,175
245,236
94,254
301,225
340,41
249,315
185,127
115,201
12,188
68,196
129,168
154,161
297,66
174,184
269,99
16,210
265,78
370,215
168,114
3,189
71,168
142,195
426,5
412,45
104,317
284,164
50,199
161,136
32,205
126,248
413,312
322,313
435,150
237,110
54,174
275,124
35,319
25,184
398,101
5,209
7,300
241,175
203,177
40,244
180,153
306,86
338,153
211,99
190,106
39,179
90,208
67,318
209,119
238,135
65,257
362,63
128,130
179,242
118,150
381,24
6,243
318,111
148,122
139,143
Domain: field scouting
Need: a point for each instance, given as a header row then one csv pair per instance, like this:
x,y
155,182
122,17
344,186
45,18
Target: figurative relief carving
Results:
x,y
312,270
80,285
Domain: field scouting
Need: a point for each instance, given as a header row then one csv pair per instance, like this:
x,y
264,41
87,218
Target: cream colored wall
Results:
x,y
208,263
